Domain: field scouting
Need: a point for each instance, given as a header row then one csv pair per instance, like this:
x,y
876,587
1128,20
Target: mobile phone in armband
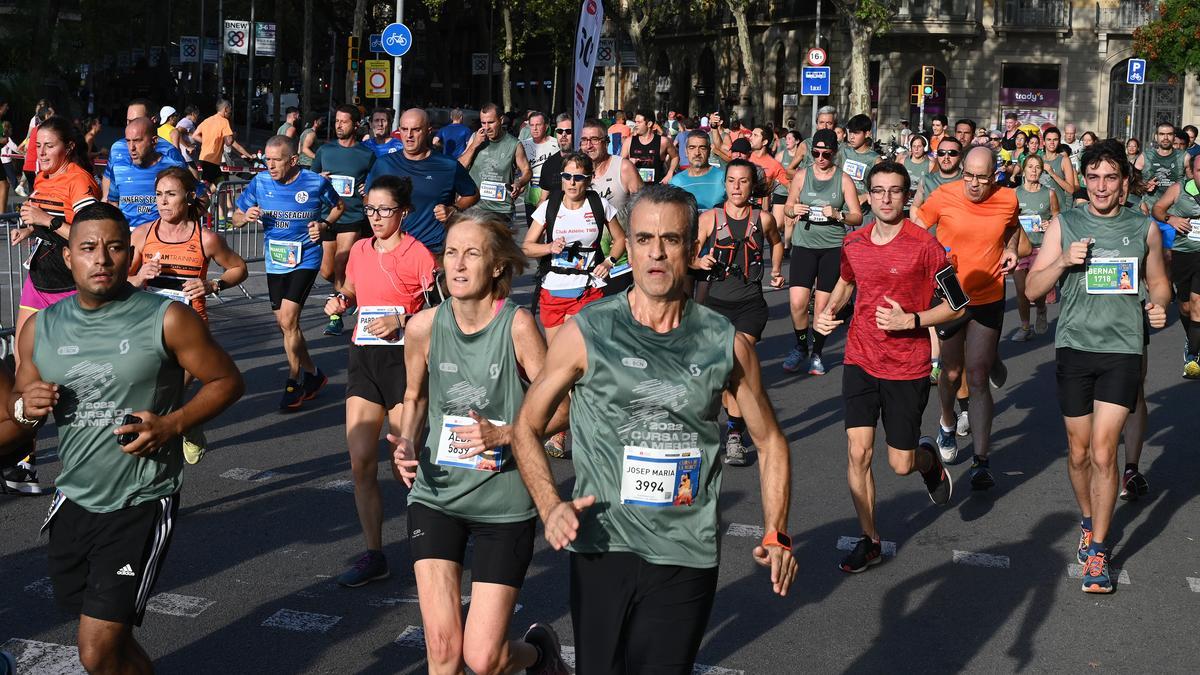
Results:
x,y
949,289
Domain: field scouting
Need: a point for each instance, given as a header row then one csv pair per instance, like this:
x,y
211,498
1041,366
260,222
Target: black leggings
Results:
x,y
631,616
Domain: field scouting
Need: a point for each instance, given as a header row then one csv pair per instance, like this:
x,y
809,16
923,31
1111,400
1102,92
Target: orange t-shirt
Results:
x,y
934,140
66,192
772,169
213,131
974,236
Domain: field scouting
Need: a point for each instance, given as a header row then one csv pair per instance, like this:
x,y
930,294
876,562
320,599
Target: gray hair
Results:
x,y
827,110
562,117
658,193
456,115
696,133
537,113
282,141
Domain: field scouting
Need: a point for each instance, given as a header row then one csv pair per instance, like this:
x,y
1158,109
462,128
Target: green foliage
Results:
x,y
1171,43
873,16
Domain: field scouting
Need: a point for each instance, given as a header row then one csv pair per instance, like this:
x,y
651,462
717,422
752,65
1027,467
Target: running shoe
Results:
x,y
1191,369
935,371
195,444
556,446
791,362
334,327
1041,324
866,553
314,383
998,374
543,637
937,480
735,452
1133,485
981,475
23,479
815,367
372,566
1096,576
1023,334
947,445
963,426
8,665
293,395
1085,543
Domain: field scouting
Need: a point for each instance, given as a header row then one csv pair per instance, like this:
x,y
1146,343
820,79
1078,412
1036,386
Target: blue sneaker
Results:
x,y
815,367
947,445
1096,575
8,665
372,566
293,395
1085,544
791,363
313,383
335,326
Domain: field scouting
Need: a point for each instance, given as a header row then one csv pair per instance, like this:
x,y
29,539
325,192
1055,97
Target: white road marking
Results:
x,y
848,544
178,605
1194,584
301,622
1075,571
340,486
1014,473
251,475
744,530
43,588
412,637
981,559
44,658
392,600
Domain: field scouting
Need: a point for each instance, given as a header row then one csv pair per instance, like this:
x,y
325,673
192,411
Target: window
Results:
x,y
1029,76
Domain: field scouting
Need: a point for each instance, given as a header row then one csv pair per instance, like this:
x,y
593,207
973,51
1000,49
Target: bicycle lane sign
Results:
x,y
397,39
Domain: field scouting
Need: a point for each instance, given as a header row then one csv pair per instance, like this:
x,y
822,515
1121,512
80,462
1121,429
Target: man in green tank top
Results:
x,y
645,371
109,364
1109,259
858,157
490,157
948,158
1179,207
1161,166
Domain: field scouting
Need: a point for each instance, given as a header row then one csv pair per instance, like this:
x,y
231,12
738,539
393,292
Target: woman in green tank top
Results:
x,y
467,363
917,163
1038,205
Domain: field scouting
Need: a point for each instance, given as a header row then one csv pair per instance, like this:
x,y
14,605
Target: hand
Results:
x,y
1008,261
777,279
893,317
153,432
516,190
1156,314
704,262
327,174
478,437
40,398
827,211
1077,253
601,271
404,459
32,215
443,212
561,524
315,228
386,327
1182,225
335,305
782,564
558,245
826,322
195,289
16,235
1151,185
800,210
151,268
254,213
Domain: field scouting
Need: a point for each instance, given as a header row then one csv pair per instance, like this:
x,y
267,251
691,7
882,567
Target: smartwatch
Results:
x,y
612,261
777,538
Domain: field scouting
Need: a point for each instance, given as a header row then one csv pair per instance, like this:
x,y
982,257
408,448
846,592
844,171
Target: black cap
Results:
x,y
741,145
826,138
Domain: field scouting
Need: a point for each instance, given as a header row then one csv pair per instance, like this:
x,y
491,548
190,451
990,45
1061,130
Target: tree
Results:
x,y
306,61
751,64
864,20
1171,43
642,19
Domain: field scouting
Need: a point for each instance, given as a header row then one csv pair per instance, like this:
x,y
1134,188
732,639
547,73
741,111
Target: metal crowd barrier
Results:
x,y
247,240
12,277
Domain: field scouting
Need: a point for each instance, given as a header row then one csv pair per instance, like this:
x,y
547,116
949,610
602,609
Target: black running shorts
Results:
x,y
211,173
1185,273
1085,377
377,373
901,403
822,265
502,550
331,233
748,317
104,565
990,316
632,616
294,286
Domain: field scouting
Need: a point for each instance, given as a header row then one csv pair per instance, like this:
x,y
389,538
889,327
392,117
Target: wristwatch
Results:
x,y
777,538
323,221
19,414
612,261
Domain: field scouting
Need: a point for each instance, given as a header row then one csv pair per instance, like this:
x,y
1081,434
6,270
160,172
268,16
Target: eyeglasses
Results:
x,y
976,178
563,131
381,211
819,154
892,192
948,153
574,177
592,139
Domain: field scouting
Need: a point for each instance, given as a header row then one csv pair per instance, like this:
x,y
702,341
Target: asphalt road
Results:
x,y
982,585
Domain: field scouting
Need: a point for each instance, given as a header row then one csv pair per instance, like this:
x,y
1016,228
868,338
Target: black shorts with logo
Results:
x,y
501,554
990,316
377,373
1185,273
1086,377
820,265
748,317
294,286
901,403
104,565
361,228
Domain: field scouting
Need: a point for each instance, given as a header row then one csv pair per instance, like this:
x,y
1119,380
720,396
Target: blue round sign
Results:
x,y
397,39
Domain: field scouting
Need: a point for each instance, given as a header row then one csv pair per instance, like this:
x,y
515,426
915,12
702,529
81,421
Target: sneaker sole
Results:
x,y
1097,588
870,563
309,397
378,577
26,488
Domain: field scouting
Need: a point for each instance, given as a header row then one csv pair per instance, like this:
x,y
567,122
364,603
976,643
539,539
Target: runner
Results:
x,y
169,117
977,223
465,486
181,137
385,277
1161,167
441,186
918,164
644,553
117,496
346,164
539,147
938,126
212,135
793,154
291,117
857,157
615,179
1059,174
704,181
729,246
288,201
564,136
949,169
1038,205
964,131
1103,252
308,143
774,174
821,202
618,134
132,182
1012,127
653,154
118,153
381,140
893,265
1179,207
826,118
453,137
490,158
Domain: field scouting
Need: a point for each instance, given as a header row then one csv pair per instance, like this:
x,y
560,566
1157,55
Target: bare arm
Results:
x,y
1050,263
235,267
853,216
771,234
1157,282
672,158
532,246
416,395
526,171
630,177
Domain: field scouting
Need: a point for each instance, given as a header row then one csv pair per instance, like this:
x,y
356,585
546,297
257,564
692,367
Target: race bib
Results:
x,y
647,174
1032,224
817,215
1194,233
651,477
1112,276
368,314
855,170
581,261
493,191
285,253
343,185
618,270
176,295
488,460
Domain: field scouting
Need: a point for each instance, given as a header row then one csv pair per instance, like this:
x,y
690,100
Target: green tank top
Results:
x,y
785,158
916,170
645,433
1187,206
1110,324
1035,212
1054,166
1168,170
934,180
304,160
856,164
110,362
816,231
492,171
472,372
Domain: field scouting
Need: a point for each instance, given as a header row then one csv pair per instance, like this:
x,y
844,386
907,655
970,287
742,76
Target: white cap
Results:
x,y
166,112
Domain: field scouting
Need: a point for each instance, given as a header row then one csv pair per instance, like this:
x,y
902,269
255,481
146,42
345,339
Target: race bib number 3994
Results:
x,y
653,477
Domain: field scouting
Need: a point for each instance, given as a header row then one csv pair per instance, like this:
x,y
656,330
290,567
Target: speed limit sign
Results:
x,y
816,56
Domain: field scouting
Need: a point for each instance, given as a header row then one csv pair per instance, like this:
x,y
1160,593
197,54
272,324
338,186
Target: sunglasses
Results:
x,y
563,131
574,177
948,153
819,154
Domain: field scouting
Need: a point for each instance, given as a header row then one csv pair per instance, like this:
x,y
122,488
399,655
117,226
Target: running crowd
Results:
x,y
653,247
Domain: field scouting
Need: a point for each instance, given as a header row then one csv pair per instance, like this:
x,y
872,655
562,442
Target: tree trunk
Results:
x,y
360,14
277,61
860,61
506,72
644,50
306,61
751,65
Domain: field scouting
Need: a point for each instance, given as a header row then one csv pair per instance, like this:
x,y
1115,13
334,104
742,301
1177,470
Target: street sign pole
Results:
x,y
816,42
1132,111
200,60
220,50
250,75
921,116
399,65
1135,75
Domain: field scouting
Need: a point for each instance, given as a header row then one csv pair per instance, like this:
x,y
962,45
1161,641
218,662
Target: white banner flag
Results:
x,y
587,41
236,37
189,49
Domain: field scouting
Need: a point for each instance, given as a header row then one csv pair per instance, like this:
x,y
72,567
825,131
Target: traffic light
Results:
x,y
352,54
927,73
352,42
915,95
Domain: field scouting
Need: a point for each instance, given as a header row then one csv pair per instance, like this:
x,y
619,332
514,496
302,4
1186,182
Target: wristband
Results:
x,y
916,320
323,221
777,538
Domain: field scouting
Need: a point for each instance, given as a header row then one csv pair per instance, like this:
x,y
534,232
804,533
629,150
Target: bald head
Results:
x,y
414,131
140,137
139,125
414,117
979,172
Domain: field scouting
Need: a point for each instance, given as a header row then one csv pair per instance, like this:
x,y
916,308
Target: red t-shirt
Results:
x,y
392,279
902,269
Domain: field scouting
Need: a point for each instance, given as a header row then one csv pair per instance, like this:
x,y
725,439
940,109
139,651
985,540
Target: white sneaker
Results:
x,y
963,427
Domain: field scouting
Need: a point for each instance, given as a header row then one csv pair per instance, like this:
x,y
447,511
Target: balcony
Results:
x,y
1033,16
1123,16
935,17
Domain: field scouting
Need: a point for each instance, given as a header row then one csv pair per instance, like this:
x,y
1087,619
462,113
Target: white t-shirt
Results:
x,y
10,148
186,126
538,153
574,225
